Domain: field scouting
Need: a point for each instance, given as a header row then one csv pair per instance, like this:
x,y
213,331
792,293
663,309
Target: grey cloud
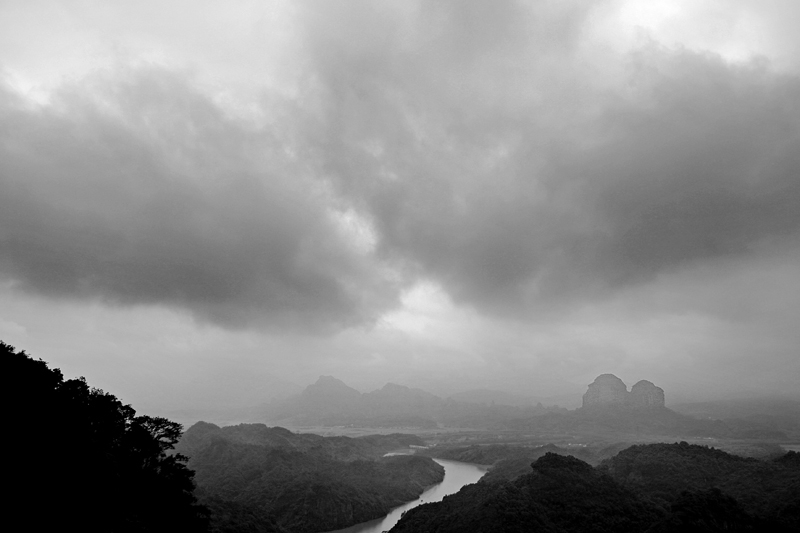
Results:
x,y
496,152
703,165
136,189
520,178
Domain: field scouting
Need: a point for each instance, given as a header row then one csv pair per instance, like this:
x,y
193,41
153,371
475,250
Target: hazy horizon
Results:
x,y
206,203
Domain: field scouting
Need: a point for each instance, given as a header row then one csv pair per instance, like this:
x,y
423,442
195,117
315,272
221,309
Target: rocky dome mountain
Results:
x,y
608,390
609,409
645,394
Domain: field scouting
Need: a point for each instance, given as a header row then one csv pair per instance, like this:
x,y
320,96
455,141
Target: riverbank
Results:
x,y
456,475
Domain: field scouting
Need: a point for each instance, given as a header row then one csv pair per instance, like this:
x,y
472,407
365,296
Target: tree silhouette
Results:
x,y
78,457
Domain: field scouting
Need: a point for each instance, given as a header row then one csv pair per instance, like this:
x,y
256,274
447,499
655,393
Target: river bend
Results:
x,y
456,475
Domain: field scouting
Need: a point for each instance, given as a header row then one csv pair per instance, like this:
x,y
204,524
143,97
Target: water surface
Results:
x,y
456,475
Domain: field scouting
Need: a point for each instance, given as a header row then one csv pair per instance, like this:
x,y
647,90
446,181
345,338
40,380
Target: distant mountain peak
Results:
x,y
608,390
401,392
329,380
330,389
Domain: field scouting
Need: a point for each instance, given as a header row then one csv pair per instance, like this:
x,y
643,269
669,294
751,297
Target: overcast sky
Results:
x,y
202,202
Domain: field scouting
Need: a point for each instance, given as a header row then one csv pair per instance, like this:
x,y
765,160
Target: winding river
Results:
x,y
456,475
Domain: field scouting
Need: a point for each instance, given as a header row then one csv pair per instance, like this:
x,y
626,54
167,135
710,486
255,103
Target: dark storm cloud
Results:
x,y
139,190
499,149
521,174
706,166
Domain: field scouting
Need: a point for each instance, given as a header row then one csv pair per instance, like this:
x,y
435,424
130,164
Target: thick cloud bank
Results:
x,y
498,149
502,155
141,191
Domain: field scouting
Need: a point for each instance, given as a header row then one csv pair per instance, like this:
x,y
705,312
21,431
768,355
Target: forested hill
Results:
x,y
768,489
655,488
561,494
339,448
78,459
256,478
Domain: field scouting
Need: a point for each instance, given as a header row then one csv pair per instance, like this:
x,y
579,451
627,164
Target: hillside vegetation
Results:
x,y
81,460
256,478
654,488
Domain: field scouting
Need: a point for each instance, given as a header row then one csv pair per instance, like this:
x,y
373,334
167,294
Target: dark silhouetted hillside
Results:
x,y
662,472
654,488
78,459
560,494
507,461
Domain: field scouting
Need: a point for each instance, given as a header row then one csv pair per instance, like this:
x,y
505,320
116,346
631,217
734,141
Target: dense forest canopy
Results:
x,y
257,478
654,488
82,460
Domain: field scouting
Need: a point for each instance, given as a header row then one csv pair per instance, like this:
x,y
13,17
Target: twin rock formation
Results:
x,y
610,391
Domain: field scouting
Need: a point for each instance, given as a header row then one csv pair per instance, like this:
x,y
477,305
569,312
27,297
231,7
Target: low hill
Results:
x,y
337,448
560,494
661,472
655,488
270,479
755,415
622,422
508,462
